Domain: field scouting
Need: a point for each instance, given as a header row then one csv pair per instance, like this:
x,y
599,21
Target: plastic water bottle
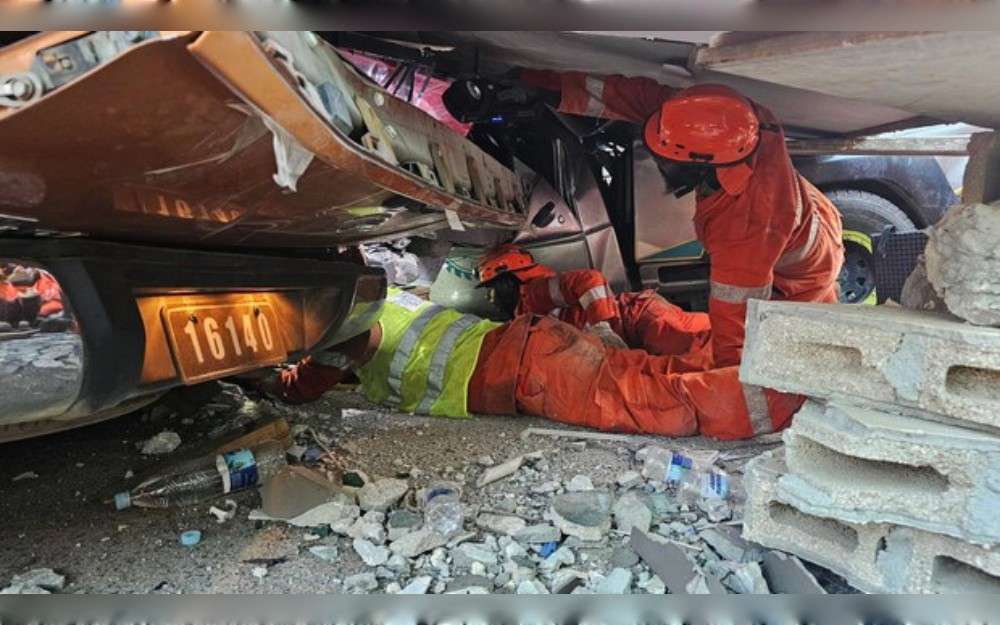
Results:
x,y
693,477
443,510
206,478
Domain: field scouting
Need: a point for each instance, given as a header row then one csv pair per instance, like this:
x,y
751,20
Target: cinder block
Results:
x,y
874,557
868,466
927,364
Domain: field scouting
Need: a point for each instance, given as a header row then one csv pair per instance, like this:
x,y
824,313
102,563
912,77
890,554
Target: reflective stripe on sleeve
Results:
x,y
738,294
791,257
757,410
402,356
439,361
594,294
555,292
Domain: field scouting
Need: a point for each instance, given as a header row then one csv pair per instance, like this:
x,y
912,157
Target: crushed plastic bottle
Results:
x,y
693,474
206,478
443,510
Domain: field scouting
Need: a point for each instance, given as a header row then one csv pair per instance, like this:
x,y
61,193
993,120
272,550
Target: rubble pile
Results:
x,y
895,454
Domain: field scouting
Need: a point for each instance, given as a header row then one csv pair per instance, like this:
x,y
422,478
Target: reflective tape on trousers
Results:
x,y
439,361
594,294
738,294
757,410
405,348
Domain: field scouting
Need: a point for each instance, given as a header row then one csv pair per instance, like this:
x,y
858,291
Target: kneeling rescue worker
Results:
x,y
769,232
426,359
583,298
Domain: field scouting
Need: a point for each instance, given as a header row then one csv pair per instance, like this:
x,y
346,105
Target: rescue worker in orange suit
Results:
x,y
769,232
422,358
583,298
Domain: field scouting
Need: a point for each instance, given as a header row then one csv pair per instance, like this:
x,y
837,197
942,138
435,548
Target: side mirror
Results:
x,y
545,215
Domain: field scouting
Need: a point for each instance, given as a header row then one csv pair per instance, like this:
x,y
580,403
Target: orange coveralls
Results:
x,y
541,366
643,320
779,238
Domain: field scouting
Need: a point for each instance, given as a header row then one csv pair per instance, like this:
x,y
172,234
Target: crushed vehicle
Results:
x,y
206,223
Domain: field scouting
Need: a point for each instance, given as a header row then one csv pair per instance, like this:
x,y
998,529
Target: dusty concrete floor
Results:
x,y
60,520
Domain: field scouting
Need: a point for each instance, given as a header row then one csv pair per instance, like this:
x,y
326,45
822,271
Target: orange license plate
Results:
x,y
212,341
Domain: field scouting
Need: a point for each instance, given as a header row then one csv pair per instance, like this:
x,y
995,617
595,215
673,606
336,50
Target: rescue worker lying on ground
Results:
x,y
769,232
583,298
426,359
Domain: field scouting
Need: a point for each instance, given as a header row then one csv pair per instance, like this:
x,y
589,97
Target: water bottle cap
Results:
x,y
190,538
123,500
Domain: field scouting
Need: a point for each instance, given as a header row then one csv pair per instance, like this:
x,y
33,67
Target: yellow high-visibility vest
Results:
x,y
426,357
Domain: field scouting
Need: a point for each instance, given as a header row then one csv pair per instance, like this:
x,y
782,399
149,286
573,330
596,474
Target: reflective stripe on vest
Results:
x,y
733,294
439,361
424,350
405,349
757,410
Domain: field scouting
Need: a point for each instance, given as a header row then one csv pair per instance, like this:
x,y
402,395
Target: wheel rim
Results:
x,y
857,276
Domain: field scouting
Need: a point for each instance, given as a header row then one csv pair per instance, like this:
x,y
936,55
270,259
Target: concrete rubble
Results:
x,y
928,365
907,560
962,262
868,466
895,454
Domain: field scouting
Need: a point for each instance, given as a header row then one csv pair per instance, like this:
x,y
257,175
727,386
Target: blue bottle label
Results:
x,y
679,468
238,469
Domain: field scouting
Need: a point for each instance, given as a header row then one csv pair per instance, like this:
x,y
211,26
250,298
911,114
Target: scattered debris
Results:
x,y
369,553
500,471
579,484
618,582
785,574
747,579
259,572
415,543
190,538
501,524
223,515
631,511
360,583
35,582
672,565
27,475
417,586
163,443
586,515
382,494
329,553
537,534
586,435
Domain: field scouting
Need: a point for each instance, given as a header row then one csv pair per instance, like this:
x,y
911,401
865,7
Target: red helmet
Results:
x,y
508,258
710,124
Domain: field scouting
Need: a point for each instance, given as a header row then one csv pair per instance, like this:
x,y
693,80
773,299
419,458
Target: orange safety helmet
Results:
x,y
509,258
709,124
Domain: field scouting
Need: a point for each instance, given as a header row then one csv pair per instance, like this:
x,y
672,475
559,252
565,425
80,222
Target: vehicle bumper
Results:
x,y
117,351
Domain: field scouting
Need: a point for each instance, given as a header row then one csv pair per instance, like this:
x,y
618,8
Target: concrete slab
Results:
x,y
927,364
874,557
868,466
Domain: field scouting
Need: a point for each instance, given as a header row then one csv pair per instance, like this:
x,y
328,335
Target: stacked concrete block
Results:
x,y
873,557
922,363
868,466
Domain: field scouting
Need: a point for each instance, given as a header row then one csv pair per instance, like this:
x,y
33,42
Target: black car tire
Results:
x,y
864,214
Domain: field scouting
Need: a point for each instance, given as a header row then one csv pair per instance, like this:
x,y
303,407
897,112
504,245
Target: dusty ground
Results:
x,y
60,519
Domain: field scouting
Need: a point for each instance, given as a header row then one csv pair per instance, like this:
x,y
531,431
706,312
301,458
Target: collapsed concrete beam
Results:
x,y
874,557
867,466
928,364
